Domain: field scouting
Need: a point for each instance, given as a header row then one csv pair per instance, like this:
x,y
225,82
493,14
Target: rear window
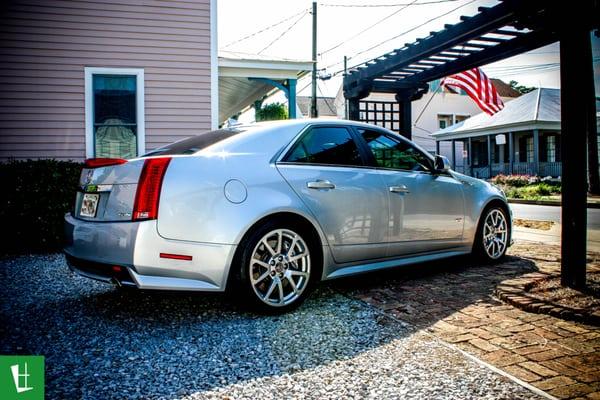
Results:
x,y
194,144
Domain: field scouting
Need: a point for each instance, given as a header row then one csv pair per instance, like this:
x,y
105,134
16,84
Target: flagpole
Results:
x,y
427,104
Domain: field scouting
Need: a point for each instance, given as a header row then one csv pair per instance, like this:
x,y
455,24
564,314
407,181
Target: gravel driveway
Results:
x,y
101,342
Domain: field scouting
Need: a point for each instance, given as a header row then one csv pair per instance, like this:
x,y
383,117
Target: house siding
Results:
x,y
45,46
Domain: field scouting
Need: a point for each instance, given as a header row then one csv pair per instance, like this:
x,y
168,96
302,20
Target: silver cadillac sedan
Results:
x,y
268,210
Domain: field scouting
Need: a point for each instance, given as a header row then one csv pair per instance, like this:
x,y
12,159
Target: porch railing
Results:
x,y
524,168
553,169
550,169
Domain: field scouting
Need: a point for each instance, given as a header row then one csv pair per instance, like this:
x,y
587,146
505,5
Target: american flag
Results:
x,y
479,88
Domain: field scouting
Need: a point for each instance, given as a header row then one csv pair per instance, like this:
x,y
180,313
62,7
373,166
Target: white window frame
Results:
x,y
89,106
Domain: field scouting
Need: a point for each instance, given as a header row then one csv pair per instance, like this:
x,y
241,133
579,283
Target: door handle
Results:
x,y
399,189
320,185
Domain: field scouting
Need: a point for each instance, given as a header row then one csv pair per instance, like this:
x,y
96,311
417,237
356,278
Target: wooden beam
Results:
x,y
524,43
497,17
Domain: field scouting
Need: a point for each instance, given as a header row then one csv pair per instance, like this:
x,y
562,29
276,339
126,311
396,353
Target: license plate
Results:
x,y
89,205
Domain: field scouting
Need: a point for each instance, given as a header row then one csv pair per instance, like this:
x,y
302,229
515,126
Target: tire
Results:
x,y
277,267
493,234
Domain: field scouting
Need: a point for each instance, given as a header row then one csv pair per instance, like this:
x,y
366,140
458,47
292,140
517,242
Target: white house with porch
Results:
x,y
523,138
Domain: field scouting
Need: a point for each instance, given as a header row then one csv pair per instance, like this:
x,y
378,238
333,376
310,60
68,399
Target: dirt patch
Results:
x,y
533,224
550,291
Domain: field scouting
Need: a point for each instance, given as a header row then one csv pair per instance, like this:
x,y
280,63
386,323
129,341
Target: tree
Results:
x,y
520,88
270,112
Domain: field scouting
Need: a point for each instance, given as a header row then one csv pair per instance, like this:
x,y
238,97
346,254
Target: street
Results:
x,y
551,213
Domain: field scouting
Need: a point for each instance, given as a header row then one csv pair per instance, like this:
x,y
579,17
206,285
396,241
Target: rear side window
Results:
x,y
326,145
394,153
194,144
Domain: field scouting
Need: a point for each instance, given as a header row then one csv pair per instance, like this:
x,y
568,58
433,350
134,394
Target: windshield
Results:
x,y
194,144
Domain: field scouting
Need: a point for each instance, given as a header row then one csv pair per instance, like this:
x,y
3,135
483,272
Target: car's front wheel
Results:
x,y
493,234
277,267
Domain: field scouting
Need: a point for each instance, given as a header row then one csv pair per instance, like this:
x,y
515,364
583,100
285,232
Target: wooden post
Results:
x,y
576,74
437,147
354,109
405,106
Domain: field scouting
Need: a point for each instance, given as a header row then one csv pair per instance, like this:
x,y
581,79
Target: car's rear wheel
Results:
x,y
493,234
277,266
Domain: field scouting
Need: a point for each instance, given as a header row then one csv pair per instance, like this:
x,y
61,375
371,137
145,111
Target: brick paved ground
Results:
x,y
455,301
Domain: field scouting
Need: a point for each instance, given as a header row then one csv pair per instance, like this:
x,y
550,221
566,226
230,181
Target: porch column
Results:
x,y
511,152
489,154
437,147
470,156
536,152
291,85
501,155
576,72
453,158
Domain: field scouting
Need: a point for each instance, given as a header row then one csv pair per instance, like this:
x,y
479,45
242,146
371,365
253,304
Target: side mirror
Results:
x,y
441,164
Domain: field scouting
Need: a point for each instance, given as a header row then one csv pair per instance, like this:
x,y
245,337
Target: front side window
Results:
x,y
394,153
115,120
326,145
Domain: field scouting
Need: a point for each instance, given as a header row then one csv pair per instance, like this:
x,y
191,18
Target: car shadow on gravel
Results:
x,y
102,342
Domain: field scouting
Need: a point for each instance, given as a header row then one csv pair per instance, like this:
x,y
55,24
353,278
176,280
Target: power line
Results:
x,y
284,33
401,34
384,5
369,27
325,100
264,29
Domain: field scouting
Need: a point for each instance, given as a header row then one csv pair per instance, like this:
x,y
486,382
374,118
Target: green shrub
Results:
x,y
532,192
35,197
271,112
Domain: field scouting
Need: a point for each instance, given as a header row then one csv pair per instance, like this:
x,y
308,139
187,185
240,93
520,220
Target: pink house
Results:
x,y
103,78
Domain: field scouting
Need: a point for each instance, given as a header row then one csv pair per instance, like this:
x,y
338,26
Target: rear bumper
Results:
x,y
94,248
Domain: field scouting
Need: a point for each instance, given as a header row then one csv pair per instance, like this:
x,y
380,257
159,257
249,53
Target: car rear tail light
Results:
x,y
103,162
148,189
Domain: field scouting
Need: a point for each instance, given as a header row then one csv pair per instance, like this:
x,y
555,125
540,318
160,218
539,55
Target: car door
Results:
x,y
327,170
426,209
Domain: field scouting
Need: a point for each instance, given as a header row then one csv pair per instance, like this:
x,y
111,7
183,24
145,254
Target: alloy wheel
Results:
x,y
279,268
495,234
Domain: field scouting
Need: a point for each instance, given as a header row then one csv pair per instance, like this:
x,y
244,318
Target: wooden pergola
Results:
x,y
509,28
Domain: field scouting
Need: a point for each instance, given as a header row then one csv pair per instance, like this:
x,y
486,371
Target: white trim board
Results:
x,y
89,105
214,67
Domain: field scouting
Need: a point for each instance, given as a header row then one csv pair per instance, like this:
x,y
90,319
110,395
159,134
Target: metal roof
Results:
x,y
539,109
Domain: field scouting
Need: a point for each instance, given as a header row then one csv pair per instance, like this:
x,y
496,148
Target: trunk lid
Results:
x,y
107,193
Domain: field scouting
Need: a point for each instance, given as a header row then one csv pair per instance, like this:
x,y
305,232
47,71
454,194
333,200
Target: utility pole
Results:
x,y
313,102
345,100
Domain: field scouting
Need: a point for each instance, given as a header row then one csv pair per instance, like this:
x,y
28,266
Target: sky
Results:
x,y
348,30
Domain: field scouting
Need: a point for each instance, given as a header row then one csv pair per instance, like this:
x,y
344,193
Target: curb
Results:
x,y
547,203
514,292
